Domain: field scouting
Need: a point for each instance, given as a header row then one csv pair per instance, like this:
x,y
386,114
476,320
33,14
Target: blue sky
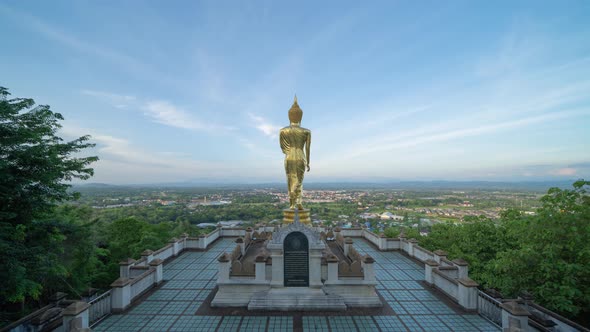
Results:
x,y
401,90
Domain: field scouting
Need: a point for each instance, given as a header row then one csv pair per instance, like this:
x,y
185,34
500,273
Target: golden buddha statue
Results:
x,y
294,139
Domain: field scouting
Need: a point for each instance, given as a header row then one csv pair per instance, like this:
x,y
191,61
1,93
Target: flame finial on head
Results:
x,y
295,113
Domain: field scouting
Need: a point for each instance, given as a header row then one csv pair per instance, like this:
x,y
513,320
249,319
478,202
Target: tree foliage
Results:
x,y
35,166
546,254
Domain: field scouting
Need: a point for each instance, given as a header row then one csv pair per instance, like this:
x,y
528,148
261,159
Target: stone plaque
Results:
x,y
296,254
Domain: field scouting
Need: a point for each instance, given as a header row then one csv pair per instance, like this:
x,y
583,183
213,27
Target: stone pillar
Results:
x,y
439,254
124,267
202,244
278,274
347,245
250,231
315,268
148,255
158,264
429,265
175,246
224,266
336,231
467,293
260,267
332,268
514,316
411,244
382,242
120,294
240,242
75,317
463,268
369,269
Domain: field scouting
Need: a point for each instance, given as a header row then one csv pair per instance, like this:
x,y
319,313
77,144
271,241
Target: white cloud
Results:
x,y
168,114
269,129
159,111
567,171
117,100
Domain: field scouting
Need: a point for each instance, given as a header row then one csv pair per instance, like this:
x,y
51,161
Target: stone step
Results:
x,y
296,299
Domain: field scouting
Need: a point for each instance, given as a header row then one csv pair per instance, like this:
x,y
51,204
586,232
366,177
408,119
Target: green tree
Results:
x,y
550,252
35,166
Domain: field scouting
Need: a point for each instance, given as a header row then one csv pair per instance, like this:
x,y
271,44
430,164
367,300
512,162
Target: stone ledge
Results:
x,y
440,253
75,308
460,262
126,262
430,262
514,309
156,262
121,282
467,282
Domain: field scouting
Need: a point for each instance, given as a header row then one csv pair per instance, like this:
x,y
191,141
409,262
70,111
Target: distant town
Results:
x,y
375,209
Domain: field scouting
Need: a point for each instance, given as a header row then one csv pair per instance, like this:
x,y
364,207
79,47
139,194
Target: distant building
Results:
x,y
230,223
390,216
206,225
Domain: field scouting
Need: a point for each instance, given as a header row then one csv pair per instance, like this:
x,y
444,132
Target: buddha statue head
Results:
x,y
295,113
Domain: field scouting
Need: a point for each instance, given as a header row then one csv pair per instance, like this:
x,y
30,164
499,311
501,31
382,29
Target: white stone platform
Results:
x,y
296,299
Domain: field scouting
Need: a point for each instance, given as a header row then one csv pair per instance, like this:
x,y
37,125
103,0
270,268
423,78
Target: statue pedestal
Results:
x,y
289,216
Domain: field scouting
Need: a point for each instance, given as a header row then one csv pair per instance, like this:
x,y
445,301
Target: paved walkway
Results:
x,y
191,278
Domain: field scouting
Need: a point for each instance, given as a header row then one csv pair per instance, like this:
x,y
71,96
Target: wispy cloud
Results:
x,y
117,100
567,171
122,159
263,125
166,113
159,111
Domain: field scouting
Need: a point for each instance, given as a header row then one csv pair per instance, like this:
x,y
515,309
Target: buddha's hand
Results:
x,y
308,168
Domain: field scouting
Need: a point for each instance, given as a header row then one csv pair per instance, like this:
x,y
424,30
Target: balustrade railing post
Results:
x,y
332,261
121,294
75,316
429,265
467,293
158,264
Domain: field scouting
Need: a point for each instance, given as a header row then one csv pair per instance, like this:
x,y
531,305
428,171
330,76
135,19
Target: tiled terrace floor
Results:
x,y
191,278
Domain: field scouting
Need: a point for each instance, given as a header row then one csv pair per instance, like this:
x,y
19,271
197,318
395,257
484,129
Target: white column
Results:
x,y
332,268
278,276
515,316
224,266
463,267
124,267
148,255
347,245
260,268
382,242
240,242
429,265
175,246
315,268
438,254
411,244
120,294
467,293
158,264
75,316
369,269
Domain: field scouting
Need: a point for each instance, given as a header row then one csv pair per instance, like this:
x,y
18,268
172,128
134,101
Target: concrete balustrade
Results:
x,y
452,277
